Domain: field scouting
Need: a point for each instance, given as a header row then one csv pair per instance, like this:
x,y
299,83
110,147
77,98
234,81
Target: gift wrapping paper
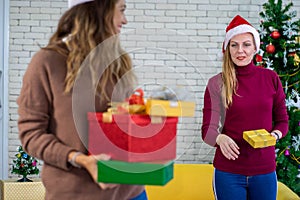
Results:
x,y
170,108
133,138
138,173
13,190
259,138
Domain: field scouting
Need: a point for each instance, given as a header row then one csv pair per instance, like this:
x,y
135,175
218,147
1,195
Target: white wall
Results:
x,y
4,34
172,42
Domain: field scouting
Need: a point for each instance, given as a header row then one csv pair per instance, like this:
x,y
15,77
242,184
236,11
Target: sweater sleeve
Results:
x,y
213,113
280,116
35,107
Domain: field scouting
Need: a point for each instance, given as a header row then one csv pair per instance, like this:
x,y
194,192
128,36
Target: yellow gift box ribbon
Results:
x,y
122,108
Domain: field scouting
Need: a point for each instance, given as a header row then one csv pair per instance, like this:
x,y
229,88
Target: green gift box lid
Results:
x,y
138,173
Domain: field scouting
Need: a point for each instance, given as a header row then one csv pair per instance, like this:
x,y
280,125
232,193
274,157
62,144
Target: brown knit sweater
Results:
x,y
47,131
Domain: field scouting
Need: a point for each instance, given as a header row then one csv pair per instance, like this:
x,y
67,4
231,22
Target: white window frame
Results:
x,y
4,53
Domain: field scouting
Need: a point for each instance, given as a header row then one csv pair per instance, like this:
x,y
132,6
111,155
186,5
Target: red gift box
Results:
x,y
133,138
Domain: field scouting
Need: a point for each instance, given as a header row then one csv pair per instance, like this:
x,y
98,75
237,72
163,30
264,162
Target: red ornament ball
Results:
x,y
258,58
270,48
275,34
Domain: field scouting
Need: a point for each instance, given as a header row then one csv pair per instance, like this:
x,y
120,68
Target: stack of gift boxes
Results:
x,y
140,138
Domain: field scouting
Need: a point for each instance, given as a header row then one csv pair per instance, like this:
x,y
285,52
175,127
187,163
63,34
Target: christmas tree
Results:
x,y
24,165
280,51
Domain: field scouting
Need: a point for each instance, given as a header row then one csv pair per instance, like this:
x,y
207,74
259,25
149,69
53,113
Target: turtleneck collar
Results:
x,y
245,70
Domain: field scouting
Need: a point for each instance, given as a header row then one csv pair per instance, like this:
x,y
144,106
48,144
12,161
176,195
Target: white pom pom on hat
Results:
x,y
239,25
72,3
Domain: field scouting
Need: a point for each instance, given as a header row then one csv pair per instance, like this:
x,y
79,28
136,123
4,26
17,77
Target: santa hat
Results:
x,y
237,26
72,3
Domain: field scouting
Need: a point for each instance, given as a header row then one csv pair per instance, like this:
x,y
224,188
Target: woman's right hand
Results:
x,y
228,146
90,164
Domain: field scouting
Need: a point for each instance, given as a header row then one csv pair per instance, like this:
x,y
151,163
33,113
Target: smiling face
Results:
x,y
242,49
119,15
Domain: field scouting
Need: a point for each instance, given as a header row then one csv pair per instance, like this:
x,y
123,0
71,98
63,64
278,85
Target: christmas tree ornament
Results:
x,y
284,58
258,58
297,39
296,142
290,29
271,28
275,34
293,100
286,88
269,63
270,48
296,60
287,152
262,32
291,53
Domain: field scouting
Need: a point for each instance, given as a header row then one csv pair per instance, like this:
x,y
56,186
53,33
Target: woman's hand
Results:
x,y
228,147
90,164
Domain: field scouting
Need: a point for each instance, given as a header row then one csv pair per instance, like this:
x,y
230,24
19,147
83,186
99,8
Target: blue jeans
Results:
x,y
239,187
142,196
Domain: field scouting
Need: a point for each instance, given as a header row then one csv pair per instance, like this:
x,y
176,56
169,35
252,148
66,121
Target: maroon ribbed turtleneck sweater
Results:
x,y
259,104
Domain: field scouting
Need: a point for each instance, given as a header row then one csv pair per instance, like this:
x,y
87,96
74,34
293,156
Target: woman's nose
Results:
x,y
124,21
240,48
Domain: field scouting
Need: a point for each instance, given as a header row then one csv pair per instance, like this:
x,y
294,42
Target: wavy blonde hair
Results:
x,y
230,83
80,30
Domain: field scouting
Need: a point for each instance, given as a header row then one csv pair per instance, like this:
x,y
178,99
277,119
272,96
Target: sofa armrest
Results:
x,y
285,193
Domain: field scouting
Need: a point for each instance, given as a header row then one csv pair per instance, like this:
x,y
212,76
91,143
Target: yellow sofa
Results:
x,y
190,182
194,182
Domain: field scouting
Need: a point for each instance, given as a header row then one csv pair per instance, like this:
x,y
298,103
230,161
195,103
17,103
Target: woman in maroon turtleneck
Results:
x,y
243,97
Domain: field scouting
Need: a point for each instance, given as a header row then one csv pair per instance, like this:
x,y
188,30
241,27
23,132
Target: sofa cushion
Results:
x,y
191,181
194,182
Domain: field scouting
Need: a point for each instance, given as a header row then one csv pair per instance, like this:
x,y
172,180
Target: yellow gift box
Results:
x,y
259,138
155,107
12,190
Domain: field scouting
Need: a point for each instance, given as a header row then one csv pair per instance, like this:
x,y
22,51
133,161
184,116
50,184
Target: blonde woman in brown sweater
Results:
x,y
83,57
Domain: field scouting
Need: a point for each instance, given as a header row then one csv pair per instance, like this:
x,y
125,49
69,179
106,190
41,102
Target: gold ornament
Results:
x,y
297,39
296,59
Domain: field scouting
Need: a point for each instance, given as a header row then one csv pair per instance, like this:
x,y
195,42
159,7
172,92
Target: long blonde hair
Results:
x,y
230,83
80,30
